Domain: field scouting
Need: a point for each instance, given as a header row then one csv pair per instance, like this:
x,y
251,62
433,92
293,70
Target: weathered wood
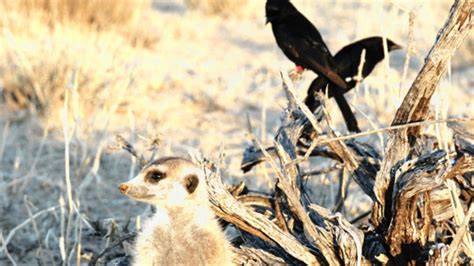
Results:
x,y
278,206
319,237
453,249
229,209
415,178
407,189
416,103
253,256
368,161
440,200
319,233
362,173
256,200
338,242
253,156
349,239
324,231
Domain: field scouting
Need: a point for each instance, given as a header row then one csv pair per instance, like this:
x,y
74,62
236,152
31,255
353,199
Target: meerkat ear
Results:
x,y
190,183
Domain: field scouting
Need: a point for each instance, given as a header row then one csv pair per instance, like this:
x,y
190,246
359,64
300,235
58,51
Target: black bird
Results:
x,y
348,61
300,41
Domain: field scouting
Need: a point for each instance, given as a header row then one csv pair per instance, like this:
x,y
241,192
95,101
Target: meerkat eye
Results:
x,y
155,176
190,183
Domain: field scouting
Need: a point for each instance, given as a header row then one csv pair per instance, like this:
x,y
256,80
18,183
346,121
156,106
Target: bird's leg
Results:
x,y
296,73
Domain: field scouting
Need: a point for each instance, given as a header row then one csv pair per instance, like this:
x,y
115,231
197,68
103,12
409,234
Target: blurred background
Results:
x,y
74,74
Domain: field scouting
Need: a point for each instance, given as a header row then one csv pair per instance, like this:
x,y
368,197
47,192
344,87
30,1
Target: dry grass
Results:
x,y
218,7
144,71
99,14
123,16
45,42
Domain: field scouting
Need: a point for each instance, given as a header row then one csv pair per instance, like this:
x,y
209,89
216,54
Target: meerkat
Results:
x,y
183,230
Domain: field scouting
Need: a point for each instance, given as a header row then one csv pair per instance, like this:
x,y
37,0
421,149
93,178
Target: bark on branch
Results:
x,y
416,103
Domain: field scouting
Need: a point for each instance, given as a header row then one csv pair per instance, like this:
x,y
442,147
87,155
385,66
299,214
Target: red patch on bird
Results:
x,y
299,69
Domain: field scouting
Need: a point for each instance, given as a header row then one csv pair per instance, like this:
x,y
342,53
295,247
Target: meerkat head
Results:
x,y
167,181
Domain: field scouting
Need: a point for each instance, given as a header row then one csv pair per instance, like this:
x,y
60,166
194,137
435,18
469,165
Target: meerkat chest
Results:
x,y
189,239
203,249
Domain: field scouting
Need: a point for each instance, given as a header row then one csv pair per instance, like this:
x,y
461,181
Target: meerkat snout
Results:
x,y
123,188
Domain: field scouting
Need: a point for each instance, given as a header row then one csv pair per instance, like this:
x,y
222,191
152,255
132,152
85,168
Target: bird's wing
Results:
x,y
310,43
316,56
320,60
302,43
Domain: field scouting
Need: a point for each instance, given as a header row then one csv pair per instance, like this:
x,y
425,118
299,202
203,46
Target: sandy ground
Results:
x,y
195,88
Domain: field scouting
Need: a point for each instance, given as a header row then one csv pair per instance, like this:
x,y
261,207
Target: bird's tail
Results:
x,y
347,114
320,84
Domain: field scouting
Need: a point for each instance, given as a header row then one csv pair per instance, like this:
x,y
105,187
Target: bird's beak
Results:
x,y
396,47
267,21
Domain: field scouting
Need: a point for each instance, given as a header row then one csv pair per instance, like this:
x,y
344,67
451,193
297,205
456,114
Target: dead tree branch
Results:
x,y
417,177
416,103
229,209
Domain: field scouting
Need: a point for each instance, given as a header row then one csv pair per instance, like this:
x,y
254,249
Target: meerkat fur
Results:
x,y
183,230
